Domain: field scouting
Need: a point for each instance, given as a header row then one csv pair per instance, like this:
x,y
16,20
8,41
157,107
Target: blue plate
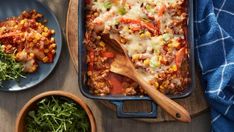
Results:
x,y
9,8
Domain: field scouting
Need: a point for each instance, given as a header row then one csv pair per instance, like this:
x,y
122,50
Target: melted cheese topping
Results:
x,y
153,30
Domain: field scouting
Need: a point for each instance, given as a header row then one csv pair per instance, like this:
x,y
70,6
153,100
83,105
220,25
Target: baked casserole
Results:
x,y
154,34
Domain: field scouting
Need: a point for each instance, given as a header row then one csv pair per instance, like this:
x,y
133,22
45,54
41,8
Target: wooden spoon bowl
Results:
x,y
122,65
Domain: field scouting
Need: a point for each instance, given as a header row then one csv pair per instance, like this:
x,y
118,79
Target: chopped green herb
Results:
x,y
122,11
9,68
57,114
166,37
153,62
148,7
107,5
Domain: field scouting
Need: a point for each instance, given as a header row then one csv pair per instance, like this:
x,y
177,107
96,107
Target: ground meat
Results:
x,y
169,78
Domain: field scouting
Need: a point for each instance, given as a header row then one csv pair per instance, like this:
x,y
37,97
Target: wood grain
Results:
x,y
72,31
195,103
65,78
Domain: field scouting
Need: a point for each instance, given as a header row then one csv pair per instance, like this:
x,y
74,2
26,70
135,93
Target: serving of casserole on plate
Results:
x,y
30,36
154,33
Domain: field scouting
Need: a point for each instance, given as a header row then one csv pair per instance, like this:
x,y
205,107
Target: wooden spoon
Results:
x,y
123,66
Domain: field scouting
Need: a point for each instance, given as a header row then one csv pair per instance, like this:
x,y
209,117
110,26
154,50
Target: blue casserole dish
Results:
x,y
119,100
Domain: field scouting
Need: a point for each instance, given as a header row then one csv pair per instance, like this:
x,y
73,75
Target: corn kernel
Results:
x,y
33,68
146,62
46,50
102,44
125,28
156,84
52,31
46,29
52,46
95,14
52,40
98,37
174,68
159,58
142,35
135,57
37,37
169,50
45,59
175,43
160,40
53,51
158,64
32,55
147,34
96,92
44,34
22,22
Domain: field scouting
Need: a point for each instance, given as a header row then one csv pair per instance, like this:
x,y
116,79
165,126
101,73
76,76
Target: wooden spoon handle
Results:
x,y
170,106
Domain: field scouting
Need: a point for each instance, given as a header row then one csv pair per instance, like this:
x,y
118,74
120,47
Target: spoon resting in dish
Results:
x,y
123,66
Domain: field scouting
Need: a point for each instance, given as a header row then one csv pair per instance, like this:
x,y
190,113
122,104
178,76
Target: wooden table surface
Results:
x,y
64,77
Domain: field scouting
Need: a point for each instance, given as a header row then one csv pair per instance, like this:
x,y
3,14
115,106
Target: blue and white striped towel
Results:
x,y
214,48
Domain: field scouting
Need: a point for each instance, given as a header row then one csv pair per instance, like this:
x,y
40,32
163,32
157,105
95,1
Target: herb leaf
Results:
x,y
9,68
122,11
56,114
107,5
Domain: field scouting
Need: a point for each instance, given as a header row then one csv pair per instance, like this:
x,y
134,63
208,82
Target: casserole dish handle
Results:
x,y
121,114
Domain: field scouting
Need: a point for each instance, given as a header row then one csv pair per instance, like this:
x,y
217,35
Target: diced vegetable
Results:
x,y
107,5
150,26
130,21
166,37
154,62
147,25
122,11
146,62
148,7
136,28
117,87
108,54
161,10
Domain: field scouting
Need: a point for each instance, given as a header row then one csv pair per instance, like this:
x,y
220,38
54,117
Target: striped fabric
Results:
x,y
214,49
